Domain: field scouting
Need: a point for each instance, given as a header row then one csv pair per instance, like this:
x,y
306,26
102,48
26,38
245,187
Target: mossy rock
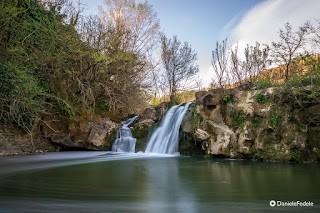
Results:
x,y
313,114
110,140
313,143
189,146
273,153
142,135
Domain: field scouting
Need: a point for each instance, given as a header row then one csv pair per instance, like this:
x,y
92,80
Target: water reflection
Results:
x,y
167,191
108,182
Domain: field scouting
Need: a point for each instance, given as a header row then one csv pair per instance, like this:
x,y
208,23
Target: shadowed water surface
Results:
x,y
121,182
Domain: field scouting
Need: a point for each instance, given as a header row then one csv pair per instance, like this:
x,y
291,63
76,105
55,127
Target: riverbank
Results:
x,y
16,142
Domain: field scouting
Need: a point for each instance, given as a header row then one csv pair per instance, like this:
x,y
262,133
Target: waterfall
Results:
x,y
165,139
125,142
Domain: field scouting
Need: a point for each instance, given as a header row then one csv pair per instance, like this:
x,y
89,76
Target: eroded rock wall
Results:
x,y
265,124
80,132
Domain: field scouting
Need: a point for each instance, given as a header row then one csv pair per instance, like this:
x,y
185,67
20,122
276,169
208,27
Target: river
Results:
x,y
124,182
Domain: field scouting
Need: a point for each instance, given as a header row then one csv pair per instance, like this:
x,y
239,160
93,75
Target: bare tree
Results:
x,y
256,60
289,46
315,36
67,11
219,61
237,73
124,36
179,61
137,27
138,19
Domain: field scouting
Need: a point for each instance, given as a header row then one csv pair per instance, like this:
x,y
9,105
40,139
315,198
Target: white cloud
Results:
x,y
263,21
206,75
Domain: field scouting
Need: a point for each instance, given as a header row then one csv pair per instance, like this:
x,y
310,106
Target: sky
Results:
x,y
204,22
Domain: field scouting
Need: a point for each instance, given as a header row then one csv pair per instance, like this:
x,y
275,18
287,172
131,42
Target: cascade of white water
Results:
x,y
165,139
125,142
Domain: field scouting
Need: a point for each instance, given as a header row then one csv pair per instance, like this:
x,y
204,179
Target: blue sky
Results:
x,y
203,22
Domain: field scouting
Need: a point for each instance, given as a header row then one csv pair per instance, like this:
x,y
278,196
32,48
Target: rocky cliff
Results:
x,y
270,124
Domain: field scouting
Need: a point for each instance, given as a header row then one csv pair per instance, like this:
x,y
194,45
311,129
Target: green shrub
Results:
x,y
263,84
296,154
103,104
256,121
228,99
20,103
239,119
275,120
197,120
261,99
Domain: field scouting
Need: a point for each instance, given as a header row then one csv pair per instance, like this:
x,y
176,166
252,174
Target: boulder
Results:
x,y
221,140
209,101
199,95
144,123
149,113
99,133
91,134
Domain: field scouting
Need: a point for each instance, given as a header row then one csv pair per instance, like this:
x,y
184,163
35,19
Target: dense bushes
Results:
x,y
48,69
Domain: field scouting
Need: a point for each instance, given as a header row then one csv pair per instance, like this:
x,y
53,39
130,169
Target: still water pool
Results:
x,y
119,182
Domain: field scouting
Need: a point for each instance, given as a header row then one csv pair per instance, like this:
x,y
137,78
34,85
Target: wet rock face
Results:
x,y
258,124
145,124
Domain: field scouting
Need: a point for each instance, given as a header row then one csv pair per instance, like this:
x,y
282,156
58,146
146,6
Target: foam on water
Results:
x,y
57,159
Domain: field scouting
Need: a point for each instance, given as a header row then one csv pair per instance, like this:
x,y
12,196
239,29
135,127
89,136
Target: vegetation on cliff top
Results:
x,y
53,63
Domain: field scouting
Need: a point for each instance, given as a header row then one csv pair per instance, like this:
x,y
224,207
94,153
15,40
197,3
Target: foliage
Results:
x,y
310,78
227,99
53,64
256,121
275,119
20,102
296,154
263,83
261,99
197,119
181,97
258,154
239,118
